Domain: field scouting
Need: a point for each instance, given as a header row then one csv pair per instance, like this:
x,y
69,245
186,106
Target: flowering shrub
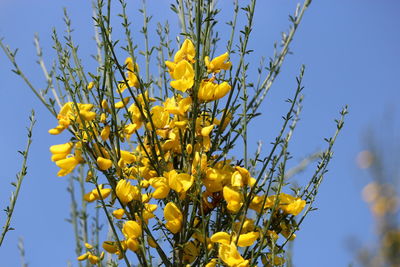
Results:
x,y
161,165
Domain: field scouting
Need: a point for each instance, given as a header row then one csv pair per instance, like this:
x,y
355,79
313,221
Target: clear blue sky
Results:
x,y
351,51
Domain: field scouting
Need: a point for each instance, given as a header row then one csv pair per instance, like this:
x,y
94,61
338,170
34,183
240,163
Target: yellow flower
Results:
x,y
241,177
231,256
126,158
177,106
217,64
67,165
160,117
222,238
61,151
105,133
183,75
113,248
125,191
66,162
103,163
216,178
90,85
94,195
248,239
118,213
179,182
233,198
132,231
137,121
174,218
291,205
187,52
210,91
93,259
148,211
245,240
69,113
248,226
257,201
191,250
161,186
130,76
123,102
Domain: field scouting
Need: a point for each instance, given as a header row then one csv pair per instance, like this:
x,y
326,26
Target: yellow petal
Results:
x,y
132,244
207,130
221,237
62,148
246,240
230,255
83,257
105,133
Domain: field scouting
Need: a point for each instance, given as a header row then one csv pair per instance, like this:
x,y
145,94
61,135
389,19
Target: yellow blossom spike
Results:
x,y
104,164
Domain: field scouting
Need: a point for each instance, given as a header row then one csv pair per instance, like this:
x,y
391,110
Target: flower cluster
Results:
x,y
211,205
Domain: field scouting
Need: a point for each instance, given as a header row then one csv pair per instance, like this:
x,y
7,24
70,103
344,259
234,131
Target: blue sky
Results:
x,y
351,52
